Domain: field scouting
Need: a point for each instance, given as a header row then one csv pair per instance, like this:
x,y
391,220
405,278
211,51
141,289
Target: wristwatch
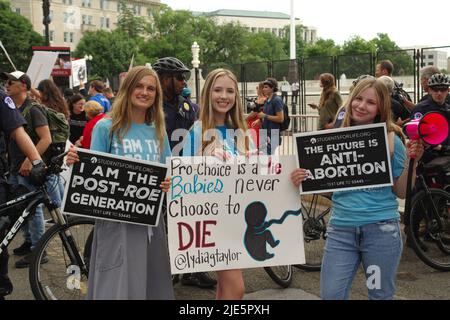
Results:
x,y
265,116
36,162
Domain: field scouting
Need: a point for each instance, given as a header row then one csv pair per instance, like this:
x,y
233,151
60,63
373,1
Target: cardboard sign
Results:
x,y
41,66
62,67
344,159
110,187
79,72
243,214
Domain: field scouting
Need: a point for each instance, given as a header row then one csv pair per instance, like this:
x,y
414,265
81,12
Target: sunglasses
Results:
x,y
11,82
441,89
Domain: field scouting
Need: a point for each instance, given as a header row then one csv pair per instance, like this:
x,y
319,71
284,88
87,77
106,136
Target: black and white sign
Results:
x,y
110,187
344,159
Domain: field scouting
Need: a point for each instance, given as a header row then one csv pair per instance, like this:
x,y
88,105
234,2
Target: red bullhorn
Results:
x,y
432,128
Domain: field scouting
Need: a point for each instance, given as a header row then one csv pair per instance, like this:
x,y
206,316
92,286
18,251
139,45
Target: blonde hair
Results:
x,y
92,108
122,109
383,103
234,118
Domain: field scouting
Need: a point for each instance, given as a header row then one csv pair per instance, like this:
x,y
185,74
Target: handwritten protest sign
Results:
x,y
110,187
243,214
79,72
344,159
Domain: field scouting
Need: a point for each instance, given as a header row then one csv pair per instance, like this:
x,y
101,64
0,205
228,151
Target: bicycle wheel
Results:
x,y
282,275
429,228
64,276
316,213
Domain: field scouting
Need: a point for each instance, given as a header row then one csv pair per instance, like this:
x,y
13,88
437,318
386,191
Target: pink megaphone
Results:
x,y
432,128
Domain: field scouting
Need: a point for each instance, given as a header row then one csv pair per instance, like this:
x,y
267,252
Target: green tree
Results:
x,y
17,36
388,49
111,51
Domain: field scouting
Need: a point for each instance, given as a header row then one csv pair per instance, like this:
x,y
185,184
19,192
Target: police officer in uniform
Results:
x,y
180,113
11,127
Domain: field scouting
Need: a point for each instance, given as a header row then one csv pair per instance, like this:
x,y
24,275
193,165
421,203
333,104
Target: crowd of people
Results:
x,y
152,104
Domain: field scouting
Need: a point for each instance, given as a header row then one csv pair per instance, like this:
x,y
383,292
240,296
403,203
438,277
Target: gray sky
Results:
x,y
407,23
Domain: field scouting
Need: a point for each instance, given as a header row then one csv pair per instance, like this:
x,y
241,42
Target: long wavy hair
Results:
x,y
122,108
328,87
234,118
383,102
51,97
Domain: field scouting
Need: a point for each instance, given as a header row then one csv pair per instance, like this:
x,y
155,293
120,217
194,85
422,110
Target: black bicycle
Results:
x,y
429,220
65,274
315,213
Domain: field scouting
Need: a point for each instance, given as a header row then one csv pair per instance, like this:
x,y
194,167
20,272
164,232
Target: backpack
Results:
x,y
58,125
287,119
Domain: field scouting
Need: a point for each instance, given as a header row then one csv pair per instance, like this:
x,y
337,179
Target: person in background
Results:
x,y
109,94
95,92
51,97
272,116
364,227
253,121
129,261
295,91
330,101
94,113
77,118
285,88
425,75
400,115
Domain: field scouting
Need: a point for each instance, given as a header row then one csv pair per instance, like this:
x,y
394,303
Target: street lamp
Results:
x,y
196,63
46,20
88,58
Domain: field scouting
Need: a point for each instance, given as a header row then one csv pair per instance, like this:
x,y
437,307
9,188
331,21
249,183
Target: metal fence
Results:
x,y
345,68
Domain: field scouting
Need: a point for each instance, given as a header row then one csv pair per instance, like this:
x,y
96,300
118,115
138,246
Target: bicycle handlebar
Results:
x,y
39,173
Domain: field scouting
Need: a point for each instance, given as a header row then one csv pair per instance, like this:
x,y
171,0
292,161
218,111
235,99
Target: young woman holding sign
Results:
x,y
131,261
221,132
364,226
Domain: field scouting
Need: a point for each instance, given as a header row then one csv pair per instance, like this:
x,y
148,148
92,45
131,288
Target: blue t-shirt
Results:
x,y
103,102
140,142
271,108
356,208
193,141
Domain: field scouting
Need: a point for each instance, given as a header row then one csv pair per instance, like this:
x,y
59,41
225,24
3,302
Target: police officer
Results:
x,y
438,90
180,113
11,125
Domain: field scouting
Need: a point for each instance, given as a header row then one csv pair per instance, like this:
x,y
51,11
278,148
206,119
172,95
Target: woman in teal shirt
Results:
x,y
221,132
364,226
131,262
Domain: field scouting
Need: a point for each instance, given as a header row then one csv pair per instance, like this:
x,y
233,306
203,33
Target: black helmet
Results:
x,y
169,65
439,80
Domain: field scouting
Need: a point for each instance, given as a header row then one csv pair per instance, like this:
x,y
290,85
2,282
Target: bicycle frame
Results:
x,y
36,198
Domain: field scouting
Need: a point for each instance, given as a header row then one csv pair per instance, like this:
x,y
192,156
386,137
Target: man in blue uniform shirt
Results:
x,y
11,126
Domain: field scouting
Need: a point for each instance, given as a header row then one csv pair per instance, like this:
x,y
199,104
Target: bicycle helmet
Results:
x,y
439,79
169,65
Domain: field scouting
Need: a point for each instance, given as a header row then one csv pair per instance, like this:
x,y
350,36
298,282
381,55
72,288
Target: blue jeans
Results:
x,y
378,246
34,229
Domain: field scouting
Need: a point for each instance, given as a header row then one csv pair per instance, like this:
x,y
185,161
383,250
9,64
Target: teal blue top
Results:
x,y
193,141
140,142
356,208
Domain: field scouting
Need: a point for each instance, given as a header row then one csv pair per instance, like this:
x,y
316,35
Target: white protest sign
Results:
x,y
41,66
244,214
79,72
